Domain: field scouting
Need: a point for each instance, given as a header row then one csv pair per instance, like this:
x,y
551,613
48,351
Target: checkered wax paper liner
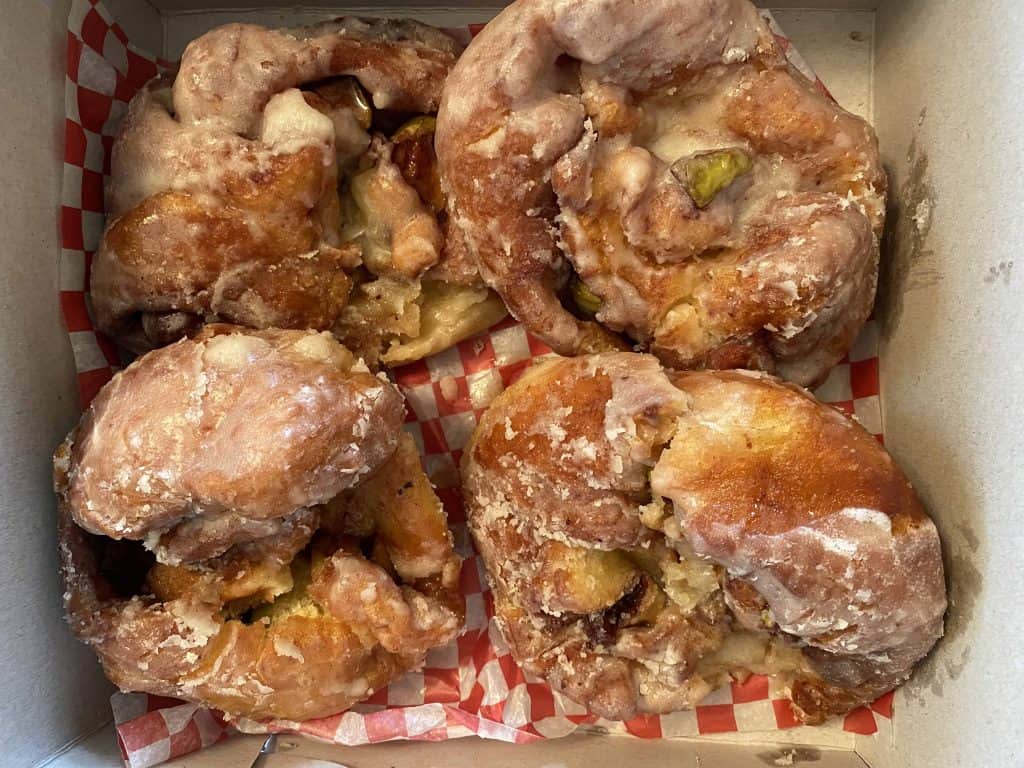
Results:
x,y
471,686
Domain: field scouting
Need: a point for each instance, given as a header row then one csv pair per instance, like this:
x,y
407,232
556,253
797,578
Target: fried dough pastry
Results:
x,y
649,538
658,170
241,524
263,186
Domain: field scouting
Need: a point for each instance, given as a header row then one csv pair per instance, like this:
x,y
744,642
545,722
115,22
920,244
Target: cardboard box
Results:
x,y
941,82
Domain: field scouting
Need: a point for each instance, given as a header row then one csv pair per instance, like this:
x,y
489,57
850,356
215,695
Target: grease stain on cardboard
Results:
x,y
790,756
905,255
949,659
999,273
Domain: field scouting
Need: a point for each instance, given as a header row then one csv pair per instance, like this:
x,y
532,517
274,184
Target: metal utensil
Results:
x,y
269,747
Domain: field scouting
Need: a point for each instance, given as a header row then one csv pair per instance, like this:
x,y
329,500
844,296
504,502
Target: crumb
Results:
x,y
449,388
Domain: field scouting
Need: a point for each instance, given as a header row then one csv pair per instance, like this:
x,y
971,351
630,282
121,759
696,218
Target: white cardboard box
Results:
x,y
943,81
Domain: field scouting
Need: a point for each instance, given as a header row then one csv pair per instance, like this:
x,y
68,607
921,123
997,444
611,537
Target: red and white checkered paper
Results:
x,y
472,686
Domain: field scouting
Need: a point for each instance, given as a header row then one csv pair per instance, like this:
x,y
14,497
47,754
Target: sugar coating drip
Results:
x,y
650,536
717,208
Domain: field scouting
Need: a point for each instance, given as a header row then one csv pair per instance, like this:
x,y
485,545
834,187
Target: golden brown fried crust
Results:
x,y
176,253
754,453
563,136
644,531
555,477
228,75
224,194
280,627
804,504
293,667
399,499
